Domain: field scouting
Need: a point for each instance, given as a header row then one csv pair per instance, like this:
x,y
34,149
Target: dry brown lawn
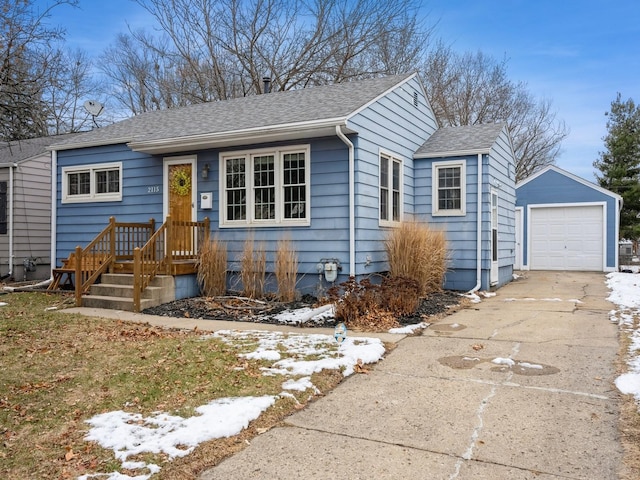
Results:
x,y
59,370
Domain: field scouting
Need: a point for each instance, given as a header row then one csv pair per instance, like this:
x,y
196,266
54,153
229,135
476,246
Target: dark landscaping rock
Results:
x,y
246,310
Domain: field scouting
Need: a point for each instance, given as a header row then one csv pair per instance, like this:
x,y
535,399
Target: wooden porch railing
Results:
x,y
152,252
175,241
116,242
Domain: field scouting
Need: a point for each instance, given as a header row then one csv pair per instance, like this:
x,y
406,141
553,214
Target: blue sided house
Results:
x,y
332,168
564,222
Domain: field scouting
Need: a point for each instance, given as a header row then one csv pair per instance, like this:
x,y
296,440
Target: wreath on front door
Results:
x,y
180,181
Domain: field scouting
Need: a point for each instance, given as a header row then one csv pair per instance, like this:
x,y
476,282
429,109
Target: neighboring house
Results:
x,y
25,209
332,168
565,222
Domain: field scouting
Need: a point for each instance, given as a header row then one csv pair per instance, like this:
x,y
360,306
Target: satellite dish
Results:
x,y
93,107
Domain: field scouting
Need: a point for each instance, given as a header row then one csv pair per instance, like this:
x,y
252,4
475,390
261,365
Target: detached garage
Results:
x,y
564,222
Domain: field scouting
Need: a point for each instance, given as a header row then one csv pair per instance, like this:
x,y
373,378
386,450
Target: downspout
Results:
x,y
54,209
11,169
352,204
479,229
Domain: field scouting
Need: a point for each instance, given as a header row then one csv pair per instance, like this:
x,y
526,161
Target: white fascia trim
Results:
x,y
255,133
452,153
100,143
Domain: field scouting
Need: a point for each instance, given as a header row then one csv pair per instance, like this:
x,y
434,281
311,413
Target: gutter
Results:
x,y
352,206
478,229
220,139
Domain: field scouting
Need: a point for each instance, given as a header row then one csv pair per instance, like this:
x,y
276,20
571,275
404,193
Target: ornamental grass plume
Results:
x,y
253,265
417,252
212,268
286,270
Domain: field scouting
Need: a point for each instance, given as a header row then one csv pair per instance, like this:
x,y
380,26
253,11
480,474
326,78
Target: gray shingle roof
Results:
x,y
302,106
460,139
19,150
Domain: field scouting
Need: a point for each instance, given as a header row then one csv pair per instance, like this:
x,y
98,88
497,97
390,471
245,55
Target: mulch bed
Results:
x,y
242,309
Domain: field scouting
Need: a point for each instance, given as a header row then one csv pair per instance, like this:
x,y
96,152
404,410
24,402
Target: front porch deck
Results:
x,y
137,249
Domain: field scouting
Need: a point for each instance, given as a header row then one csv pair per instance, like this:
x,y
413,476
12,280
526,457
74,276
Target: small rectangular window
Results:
x,y
107,181
235,188
264,187
449,188
390,189
79,183
295,190
92,183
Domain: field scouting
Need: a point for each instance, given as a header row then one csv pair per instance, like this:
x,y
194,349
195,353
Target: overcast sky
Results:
x,y
577,53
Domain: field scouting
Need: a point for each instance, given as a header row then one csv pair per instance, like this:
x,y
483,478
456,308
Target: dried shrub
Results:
x,y
286,270
417,252
367,306
212,268
253,265
354,299
400,295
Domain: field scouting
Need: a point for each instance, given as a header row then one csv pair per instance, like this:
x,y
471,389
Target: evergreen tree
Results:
x,y
619,164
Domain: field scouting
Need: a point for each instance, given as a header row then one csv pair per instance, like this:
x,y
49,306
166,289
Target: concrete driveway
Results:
x,y
519,386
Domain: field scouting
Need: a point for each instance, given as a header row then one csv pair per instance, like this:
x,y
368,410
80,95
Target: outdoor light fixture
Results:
x,y
205,171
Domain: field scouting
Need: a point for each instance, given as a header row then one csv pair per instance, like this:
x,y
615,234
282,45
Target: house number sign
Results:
x,y
153,189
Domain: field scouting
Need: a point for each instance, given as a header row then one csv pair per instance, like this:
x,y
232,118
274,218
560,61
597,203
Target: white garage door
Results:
x,y
567,238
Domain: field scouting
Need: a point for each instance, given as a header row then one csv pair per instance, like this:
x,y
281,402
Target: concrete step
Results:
x,y
115,292
127,279
125,291
117,303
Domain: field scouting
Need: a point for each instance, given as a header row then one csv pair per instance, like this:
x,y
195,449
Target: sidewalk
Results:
x,y
519,386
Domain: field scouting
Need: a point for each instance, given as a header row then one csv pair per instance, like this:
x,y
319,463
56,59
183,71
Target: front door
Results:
x,y
179,180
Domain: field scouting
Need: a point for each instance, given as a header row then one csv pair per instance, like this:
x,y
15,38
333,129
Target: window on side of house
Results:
x,y
92,183
266,187
390,190
449,191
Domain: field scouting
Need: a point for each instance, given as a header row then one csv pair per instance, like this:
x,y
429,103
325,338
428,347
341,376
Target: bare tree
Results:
x,y
210,50
469,89
69,87
29,59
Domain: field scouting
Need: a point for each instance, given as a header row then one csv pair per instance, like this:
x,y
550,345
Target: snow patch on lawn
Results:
x,y
625,293
129,434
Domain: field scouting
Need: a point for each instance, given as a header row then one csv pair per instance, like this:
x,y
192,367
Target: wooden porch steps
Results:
x,y
115,292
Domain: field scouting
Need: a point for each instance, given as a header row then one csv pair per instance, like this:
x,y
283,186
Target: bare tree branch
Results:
x,y
472,88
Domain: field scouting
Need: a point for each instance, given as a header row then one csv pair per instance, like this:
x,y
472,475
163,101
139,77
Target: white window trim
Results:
x,y
435,211
391,157
92,196
251,221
